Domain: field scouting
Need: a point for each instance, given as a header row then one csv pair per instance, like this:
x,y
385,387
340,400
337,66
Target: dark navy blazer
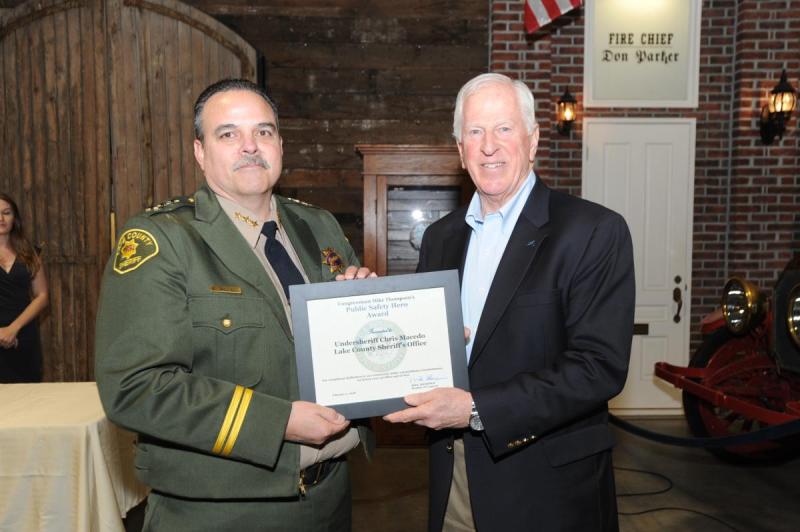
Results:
x,y
552,347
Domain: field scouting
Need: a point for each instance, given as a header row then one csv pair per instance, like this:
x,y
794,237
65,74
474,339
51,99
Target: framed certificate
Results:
x,y
362,345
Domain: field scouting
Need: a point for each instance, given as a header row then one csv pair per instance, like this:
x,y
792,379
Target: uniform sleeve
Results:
x,y
144,353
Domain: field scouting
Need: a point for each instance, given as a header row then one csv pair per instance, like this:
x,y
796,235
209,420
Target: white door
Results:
x,y
644,169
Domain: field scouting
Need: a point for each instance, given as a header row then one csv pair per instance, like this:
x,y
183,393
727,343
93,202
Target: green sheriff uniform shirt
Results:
x,y
194,350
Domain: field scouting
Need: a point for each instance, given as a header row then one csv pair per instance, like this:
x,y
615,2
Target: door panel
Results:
x,y
644,169
174,52
54,162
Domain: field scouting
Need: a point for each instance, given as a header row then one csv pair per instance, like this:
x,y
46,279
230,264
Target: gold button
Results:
x,y
226,323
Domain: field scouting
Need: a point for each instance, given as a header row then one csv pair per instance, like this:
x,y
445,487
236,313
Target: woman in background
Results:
x,y
23,296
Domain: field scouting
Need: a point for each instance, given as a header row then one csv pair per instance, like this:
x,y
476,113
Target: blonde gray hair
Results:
x,y
524,99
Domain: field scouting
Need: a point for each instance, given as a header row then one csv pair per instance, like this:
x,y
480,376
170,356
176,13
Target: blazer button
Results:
x,y
226,323
449,448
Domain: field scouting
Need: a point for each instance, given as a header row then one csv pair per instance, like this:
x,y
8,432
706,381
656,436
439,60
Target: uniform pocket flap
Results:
x,y
573,446
226,313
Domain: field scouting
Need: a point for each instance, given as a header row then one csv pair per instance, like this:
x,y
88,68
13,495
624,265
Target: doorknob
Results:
x,y
677,297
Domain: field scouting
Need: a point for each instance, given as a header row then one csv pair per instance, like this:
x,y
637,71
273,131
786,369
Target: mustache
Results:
x,y
248,160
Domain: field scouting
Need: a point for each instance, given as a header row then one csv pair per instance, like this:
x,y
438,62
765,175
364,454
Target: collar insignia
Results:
x,y
246,219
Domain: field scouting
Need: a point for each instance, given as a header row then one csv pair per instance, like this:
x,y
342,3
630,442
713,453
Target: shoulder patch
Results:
x,y
135,247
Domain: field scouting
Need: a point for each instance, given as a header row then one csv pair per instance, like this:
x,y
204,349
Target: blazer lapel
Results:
x,y
216,229
527,237
454,252
303,242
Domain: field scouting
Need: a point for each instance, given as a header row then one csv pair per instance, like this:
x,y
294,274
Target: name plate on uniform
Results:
x,y
363,345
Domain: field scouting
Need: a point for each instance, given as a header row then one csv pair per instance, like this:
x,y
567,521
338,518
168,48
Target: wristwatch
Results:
x,y
475,422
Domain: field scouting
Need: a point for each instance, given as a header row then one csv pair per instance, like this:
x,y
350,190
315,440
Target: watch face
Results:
x,y
475,422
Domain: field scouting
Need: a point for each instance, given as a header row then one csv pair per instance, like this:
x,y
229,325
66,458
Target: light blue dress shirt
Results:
x,y
487,243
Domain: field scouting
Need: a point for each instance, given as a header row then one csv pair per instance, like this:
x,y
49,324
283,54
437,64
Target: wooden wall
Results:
x,y
346,72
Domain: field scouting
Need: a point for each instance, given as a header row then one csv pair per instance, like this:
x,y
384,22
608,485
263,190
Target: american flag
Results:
x,y
541,12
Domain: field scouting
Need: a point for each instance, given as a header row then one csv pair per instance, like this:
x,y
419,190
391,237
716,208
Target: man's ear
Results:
x,y
461,154
199,153
534,143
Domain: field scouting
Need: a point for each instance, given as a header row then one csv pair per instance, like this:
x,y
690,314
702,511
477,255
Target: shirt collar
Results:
x,y
248,224
509,212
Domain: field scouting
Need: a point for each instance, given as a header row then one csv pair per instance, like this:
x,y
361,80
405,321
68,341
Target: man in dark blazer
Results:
x,y
194,347
548,298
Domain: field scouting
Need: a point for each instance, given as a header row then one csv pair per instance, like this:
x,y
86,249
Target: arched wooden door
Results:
x,y
173,52
95,120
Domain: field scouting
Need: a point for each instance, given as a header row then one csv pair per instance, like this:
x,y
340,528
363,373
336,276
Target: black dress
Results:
x,y
24,362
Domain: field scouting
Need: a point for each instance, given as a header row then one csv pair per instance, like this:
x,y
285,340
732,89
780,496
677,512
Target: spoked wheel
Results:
x,y
741,368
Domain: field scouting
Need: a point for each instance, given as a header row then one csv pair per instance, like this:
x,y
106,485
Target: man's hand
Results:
x,y
440,408
354,272
312,423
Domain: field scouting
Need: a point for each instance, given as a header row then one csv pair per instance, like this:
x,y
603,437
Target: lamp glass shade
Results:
x,y
782,102
783,98
566,111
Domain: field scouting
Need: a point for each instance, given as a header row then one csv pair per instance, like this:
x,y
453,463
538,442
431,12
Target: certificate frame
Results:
x,y
302,295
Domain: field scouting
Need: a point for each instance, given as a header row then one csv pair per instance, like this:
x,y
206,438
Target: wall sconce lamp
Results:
x,y
778,111
565,113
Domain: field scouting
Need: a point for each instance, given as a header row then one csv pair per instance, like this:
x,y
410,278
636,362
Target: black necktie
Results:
x,y
279,259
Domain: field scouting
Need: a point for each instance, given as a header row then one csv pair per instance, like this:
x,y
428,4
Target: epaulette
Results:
x,y
303,203
171,205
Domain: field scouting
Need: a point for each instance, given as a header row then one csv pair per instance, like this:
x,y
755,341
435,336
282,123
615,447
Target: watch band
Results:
x,y
475,422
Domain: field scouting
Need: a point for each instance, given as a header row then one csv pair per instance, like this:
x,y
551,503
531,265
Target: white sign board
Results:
x,y
641,53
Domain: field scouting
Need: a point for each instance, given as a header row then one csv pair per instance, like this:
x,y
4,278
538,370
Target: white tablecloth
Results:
x,y
63,465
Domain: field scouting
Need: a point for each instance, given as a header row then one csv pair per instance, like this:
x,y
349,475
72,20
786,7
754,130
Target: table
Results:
x,y
63,465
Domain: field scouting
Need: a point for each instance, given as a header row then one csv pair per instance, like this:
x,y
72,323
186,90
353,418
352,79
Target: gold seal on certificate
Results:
x,y
362,345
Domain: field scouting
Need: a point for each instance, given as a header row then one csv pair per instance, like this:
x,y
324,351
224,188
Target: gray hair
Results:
x,y
524,99
225,85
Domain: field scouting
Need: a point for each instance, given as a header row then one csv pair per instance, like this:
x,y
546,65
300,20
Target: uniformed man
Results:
x,y
194,344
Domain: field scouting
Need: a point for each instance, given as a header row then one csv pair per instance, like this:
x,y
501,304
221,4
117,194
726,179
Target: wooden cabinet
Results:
x,y
407,187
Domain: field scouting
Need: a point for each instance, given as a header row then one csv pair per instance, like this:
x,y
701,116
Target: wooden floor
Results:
x,y
390,494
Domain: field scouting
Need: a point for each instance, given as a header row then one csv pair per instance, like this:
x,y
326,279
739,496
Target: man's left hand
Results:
x,y
354,272
440,408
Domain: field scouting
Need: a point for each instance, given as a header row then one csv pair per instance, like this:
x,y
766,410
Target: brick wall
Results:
x,y
747,195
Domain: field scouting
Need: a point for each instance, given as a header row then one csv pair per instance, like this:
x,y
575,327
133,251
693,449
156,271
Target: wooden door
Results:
x,y
95,110
644,169
163,54
54,161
